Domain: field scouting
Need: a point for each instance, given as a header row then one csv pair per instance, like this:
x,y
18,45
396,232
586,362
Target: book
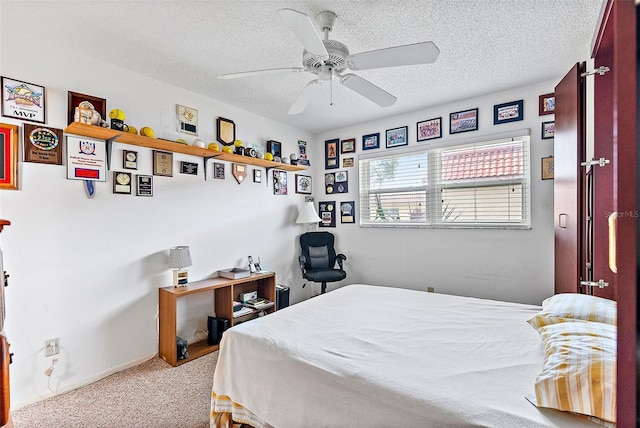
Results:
x,y
244,311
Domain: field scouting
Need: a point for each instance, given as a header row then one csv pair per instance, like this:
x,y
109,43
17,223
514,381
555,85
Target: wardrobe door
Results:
x,y
568,152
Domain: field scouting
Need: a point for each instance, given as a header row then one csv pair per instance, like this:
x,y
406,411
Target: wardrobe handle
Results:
x,y
562,220
613,225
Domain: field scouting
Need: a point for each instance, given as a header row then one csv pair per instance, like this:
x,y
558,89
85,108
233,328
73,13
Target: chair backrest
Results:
x,y
318,249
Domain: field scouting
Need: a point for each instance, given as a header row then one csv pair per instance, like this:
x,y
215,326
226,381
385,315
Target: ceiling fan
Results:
x,y
327,58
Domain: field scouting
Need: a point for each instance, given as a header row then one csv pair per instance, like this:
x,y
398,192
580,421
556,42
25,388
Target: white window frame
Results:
x,y
433,210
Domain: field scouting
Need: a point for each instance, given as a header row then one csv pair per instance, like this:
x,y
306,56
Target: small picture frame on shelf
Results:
x,y
187,120
275,148
73,103
226,131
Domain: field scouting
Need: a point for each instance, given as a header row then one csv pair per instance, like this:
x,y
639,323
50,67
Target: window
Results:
x,y
482,184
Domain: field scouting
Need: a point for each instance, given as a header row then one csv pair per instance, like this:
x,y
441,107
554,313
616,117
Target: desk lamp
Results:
x,y
307,215
179,261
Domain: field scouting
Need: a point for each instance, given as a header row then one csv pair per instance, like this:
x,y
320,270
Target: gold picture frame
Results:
x,y
547,168
226,131
162,163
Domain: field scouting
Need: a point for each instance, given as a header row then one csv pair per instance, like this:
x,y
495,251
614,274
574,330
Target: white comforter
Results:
x,y
369,356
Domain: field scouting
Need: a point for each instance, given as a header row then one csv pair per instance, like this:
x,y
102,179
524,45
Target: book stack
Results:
x,y
259,303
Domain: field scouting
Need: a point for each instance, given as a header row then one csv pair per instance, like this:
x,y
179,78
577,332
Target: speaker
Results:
x,y
282,297
212,328
222,325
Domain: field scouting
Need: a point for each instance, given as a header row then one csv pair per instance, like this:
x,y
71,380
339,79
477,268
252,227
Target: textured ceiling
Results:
x,y
485,46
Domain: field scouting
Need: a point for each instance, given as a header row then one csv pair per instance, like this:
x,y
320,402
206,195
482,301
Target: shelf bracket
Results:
x,y
109,147
204,165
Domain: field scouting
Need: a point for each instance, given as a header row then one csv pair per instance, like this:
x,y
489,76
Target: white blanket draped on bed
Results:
x,y
369,356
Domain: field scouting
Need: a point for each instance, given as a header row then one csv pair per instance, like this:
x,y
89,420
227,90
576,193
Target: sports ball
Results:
x,y
133,129
147,132
227,149
268,156
117,114
213,146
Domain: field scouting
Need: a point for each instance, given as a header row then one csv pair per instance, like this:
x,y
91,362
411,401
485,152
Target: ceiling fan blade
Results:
x,y
368,90
303,28
417,53
305,96
260,72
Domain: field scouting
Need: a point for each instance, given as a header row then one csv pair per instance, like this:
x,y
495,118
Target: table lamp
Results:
x,y
307,215
179,261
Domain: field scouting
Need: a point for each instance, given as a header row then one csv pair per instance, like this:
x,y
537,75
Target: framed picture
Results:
x,y
347,212
23,100
279,182
547,168
226,131
187,119
508,112
145,185
429,129
331,154
347,162
189,168
275,148
397,137
218,170
129,159
546,104
86,159
257,176
9,150
548,130
348,145
42,144
162,163
303,184
73,103
327,211
463,121
122,182
371,141
336,182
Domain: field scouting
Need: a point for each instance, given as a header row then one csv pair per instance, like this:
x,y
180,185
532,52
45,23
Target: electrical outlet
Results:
x,y
51,347
431,289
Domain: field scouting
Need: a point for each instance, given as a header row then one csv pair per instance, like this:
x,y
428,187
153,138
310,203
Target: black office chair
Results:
x,y
318,259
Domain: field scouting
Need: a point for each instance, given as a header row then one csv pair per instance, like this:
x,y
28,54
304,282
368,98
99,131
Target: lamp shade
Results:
x,y
308,214
179,257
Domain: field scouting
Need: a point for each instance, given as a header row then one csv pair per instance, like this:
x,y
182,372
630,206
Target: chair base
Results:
x,y
323,288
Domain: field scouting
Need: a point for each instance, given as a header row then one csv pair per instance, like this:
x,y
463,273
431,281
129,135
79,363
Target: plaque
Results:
x,y
145,185
226,131
190,168
239,172
122,182
162,163
129,159
42,144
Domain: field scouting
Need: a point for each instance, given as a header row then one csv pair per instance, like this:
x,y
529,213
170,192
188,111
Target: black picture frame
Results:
x,y
546,104
347,212
327,212
303,184
508,112
463,121
75,98
226,131
396,137
332,154
122,187
275,148
547,130
371,141
429,129
162,163
257,176
218,170
144,185
189,168
336,182
129,159
348,145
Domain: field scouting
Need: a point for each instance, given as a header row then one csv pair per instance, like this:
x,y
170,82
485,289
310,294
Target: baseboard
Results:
x,y
84,382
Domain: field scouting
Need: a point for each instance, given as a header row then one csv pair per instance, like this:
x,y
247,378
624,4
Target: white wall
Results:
x,y
514,265
88,270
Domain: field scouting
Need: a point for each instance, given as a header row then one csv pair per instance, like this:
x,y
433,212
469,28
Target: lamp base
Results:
x,y
180,278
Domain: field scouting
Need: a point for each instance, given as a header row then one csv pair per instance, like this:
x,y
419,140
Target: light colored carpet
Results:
x,y
152,394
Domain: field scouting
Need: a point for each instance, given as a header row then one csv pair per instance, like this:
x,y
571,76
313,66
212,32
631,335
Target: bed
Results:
x,y
373,356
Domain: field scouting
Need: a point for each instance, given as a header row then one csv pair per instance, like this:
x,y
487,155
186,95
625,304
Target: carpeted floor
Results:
x,y
152,394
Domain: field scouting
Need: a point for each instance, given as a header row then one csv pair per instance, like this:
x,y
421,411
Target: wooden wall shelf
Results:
x,y
110,135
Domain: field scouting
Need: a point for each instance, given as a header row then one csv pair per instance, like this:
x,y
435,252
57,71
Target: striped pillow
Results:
x,y
572,306
579,372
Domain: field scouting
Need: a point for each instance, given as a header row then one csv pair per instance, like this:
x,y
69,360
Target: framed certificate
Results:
x,y
162,163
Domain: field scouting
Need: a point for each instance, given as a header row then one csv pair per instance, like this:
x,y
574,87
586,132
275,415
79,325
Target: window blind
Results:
x,y
475,185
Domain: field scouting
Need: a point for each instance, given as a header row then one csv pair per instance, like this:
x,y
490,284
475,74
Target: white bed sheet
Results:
x,y
371,356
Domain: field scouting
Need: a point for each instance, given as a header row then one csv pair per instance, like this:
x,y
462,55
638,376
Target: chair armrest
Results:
x,y
340,258
303,261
